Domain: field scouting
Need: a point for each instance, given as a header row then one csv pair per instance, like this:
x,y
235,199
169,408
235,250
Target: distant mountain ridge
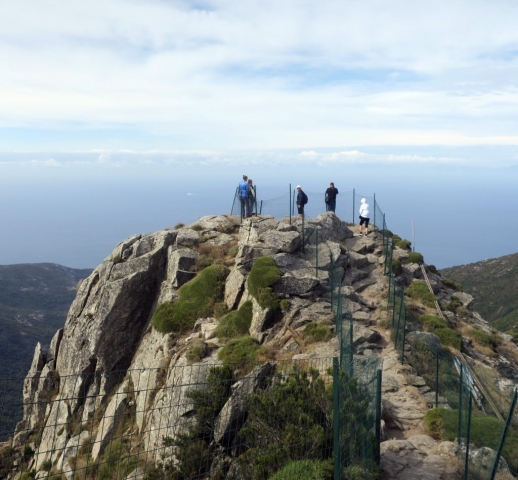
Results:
x,y
34,301
494,284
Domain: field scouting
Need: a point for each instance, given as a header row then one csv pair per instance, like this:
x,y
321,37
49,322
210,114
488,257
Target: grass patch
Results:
x,y
449,337
404,244
239,352
305,470
263,275
179,225
432,269
448,282
396,266
197,300
432,323
483,338
316,332
285,305
442,424
213,255
197,351
196,227
419,292
236,323
415,257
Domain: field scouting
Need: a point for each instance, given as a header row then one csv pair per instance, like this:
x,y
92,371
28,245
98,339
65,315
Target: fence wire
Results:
x,y
464,395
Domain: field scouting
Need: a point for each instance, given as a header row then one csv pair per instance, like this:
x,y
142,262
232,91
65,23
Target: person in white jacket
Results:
x,y
364,217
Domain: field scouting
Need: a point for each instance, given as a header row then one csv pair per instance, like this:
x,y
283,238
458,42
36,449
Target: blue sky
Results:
x,y
220,80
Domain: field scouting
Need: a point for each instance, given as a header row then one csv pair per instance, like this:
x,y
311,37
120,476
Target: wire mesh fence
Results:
x,y
473,407
282,203
205,421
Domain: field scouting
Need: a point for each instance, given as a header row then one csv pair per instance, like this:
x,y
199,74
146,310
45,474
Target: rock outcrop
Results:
x,y
109,372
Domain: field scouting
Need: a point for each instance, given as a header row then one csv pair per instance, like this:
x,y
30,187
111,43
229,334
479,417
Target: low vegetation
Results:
x,y
236,323
419,291
449,337
432,323
305,470
483,338
196,299
443,424
448,282
263,275
316,332
415,257
240,352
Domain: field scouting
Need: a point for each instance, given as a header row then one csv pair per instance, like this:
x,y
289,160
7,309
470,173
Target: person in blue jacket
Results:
x,y
244,193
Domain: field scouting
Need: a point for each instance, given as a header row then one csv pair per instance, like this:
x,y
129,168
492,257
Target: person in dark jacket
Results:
x,y
331,194
302,199
244,193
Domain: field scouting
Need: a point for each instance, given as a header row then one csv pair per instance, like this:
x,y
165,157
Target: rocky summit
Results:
x,y
128,328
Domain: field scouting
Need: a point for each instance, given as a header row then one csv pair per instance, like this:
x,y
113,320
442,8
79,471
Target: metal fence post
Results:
x,y
374,212
504,436
290,204
377,454
404,337
354,197
461,374
336,420
316,253
436,376
468,435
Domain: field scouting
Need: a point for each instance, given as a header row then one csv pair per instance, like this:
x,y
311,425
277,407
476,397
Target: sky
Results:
x,y
95,94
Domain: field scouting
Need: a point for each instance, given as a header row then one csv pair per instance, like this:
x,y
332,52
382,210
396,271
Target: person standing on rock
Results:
x,y
251,197
364,216
331,194
244,193
302,199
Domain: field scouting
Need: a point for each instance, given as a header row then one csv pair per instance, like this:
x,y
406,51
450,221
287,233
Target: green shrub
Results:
x,y
396,266
316,332
28,475
305,470
197,351
449,337
263,275
451,284
432,323
415,257
240,352
404,244
419,291
179,225
432,269
268,299
117,462
196,227
232,251
287,421
236,323
443,424
483,338
47,465
220,309
197,299
285,305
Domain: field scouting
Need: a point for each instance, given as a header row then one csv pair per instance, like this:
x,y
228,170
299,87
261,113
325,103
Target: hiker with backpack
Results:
x,y
244,193
302,199
330,198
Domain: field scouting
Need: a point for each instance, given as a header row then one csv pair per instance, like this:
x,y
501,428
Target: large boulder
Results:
x,y
107,319
333,228
289,285
234,287
180,265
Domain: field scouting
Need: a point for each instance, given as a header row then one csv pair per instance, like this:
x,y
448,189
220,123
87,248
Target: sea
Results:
x,y
454,215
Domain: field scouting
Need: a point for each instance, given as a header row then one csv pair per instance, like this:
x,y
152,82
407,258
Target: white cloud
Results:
x,y
262,75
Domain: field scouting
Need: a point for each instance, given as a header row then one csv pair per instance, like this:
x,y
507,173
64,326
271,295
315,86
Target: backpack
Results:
x,y
304,198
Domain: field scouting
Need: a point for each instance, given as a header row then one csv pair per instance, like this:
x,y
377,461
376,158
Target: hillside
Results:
x,y
34,300
494,284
